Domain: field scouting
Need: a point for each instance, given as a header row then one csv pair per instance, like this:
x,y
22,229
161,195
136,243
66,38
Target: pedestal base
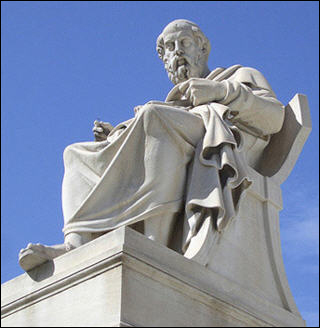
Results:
x,y
124,279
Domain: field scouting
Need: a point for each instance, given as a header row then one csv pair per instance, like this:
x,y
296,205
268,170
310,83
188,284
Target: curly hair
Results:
x,y
183,24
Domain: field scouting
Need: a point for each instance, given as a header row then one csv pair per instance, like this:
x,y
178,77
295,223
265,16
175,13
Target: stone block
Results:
x,y
124,279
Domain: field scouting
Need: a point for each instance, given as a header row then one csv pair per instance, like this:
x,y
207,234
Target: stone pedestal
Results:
x,y
124,279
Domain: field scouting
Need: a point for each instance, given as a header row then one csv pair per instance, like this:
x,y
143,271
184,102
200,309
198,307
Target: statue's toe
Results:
x,y
32,256
36,247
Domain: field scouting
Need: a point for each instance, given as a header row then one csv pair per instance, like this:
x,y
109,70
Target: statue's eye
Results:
x,y
186,42
170,46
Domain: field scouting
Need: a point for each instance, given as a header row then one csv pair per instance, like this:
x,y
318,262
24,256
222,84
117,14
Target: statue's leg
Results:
x,y
159,228
142,174
173,135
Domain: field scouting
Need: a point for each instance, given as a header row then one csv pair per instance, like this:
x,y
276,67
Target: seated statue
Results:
x,y
186,156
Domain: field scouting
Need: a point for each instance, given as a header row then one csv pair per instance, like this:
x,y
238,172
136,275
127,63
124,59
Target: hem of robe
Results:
x,y
108,224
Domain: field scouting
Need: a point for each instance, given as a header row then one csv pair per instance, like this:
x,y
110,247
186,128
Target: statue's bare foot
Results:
x,y
36,254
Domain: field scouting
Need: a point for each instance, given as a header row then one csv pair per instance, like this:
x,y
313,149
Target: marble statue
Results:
x,y
177,163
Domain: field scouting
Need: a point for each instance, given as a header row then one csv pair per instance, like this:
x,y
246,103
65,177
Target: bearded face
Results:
x,y
182,67
183,57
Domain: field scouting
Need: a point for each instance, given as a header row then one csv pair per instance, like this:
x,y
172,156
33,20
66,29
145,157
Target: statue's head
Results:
x,y
184,49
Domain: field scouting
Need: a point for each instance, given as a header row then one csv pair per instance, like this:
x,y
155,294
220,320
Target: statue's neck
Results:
x,y
205,72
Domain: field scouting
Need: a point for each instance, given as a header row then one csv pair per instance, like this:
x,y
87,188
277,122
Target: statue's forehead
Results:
x,y
174,35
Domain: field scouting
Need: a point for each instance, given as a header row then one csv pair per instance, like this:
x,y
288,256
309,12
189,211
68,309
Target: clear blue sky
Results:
x,y
66,63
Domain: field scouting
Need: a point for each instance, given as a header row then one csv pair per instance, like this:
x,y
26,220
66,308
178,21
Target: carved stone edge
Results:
x,y
272,230
136,247
268,191
218,287
61,283
300,107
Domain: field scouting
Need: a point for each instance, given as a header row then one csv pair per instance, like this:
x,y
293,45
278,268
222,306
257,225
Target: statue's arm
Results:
x,y
252,101
247,93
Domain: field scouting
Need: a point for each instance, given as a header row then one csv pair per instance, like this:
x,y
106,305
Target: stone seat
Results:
x,y
129,279
284,148
248,251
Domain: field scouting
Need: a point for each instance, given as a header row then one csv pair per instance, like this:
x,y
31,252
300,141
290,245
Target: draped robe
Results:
x,y
169,159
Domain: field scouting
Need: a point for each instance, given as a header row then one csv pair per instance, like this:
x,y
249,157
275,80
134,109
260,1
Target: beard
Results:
x,y
182,68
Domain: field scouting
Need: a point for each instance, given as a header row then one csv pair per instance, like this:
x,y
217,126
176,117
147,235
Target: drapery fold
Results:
x,y
170,159
121,188
217,176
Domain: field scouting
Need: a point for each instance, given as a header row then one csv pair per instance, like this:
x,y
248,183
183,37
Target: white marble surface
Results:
x,y
232,273
188,154
125,279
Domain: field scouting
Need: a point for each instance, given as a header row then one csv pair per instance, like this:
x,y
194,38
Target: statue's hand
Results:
x,y
202,91
101,130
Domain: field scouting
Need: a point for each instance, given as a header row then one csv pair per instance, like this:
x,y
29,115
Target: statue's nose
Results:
x,y
179,51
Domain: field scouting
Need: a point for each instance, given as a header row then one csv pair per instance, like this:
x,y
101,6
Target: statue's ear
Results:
x,y
160,51
204,45
160,47
205,48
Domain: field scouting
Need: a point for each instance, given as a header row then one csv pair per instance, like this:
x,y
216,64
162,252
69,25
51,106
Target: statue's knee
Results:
x,y
149,114
67,153
70,151
148,110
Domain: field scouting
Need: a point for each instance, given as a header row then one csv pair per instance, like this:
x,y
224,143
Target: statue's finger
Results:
x,y
183,86
188,92
98,129
195,100
108,125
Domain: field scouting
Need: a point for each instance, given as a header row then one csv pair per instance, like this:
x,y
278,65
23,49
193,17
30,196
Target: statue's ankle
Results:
x,y
69,246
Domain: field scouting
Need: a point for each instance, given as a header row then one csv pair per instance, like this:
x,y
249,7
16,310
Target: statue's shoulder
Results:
x,y
238,72
251,76
248,72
